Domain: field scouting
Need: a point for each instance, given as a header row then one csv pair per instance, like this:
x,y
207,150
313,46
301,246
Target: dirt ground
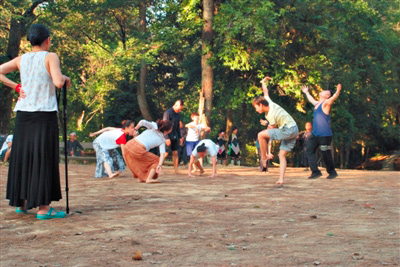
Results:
x,y
239,218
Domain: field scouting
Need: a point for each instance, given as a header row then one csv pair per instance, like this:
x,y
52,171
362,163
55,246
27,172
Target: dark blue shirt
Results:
x,y
321,123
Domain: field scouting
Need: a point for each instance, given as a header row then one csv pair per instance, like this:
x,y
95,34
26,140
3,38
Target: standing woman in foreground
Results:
x,y
33,175
143,164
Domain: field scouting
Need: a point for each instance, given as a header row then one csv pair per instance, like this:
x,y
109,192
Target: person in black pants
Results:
x,y
174,138
322,133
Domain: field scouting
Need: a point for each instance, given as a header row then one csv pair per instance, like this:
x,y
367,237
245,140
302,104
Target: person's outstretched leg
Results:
x,y
312,146
325,147
263,139
197,163
175,159
282,164
150,179
109,171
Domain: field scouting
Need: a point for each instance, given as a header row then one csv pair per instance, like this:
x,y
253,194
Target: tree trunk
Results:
x,y
342,157
244,139
347,157
18,28
207,78
141,93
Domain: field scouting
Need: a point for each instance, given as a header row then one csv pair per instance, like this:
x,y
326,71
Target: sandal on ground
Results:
x,y
52,214
20,210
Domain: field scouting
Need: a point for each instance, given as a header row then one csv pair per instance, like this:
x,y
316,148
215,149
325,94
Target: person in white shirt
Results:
x,y
195,129
34,175
280,126
105,146
143,164
203,148
6,148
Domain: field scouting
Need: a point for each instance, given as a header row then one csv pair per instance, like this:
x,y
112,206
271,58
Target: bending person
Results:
x,y
204,147
106,153
321,132
281,126
143,164
34,176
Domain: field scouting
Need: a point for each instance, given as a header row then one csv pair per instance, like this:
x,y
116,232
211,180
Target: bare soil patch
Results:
x,y
240,218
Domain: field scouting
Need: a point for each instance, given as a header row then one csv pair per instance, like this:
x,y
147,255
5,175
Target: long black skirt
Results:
x,y
34,173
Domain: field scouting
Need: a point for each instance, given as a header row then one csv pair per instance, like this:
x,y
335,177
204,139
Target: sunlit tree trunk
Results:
x,y
207,77
141,93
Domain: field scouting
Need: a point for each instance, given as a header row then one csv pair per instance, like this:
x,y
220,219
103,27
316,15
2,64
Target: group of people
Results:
x,y
281,126
33,175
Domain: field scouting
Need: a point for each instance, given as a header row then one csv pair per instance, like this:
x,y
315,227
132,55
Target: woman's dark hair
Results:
x,y
37,34
127,123
164,125
201,148
234,128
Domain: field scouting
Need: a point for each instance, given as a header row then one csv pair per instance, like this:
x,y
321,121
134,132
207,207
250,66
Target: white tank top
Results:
x,y
37,84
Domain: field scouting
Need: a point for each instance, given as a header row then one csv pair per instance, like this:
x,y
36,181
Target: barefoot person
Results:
x,y
195,128
204,147
143,164
174,139
105,146
33,176
281,126
321,133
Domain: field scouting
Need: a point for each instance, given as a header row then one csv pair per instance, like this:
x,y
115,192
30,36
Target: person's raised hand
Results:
x,y
267,78
304,88
338,87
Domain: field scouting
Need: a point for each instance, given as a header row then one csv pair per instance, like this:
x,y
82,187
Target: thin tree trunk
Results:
x,y
347,157
141,93
243,135
207,76
342,159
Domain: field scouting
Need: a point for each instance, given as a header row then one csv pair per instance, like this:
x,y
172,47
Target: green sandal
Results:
x,y
49,215
19,210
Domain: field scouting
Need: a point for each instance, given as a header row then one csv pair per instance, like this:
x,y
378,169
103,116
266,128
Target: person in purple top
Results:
x,y
321,133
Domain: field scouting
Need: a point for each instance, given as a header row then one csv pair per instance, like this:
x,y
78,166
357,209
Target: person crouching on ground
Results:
x,y
143,164
105,146
204,147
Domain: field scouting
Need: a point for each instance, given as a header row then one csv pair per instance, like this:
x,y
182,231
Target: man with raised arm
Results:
x,y
280,126
322,133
